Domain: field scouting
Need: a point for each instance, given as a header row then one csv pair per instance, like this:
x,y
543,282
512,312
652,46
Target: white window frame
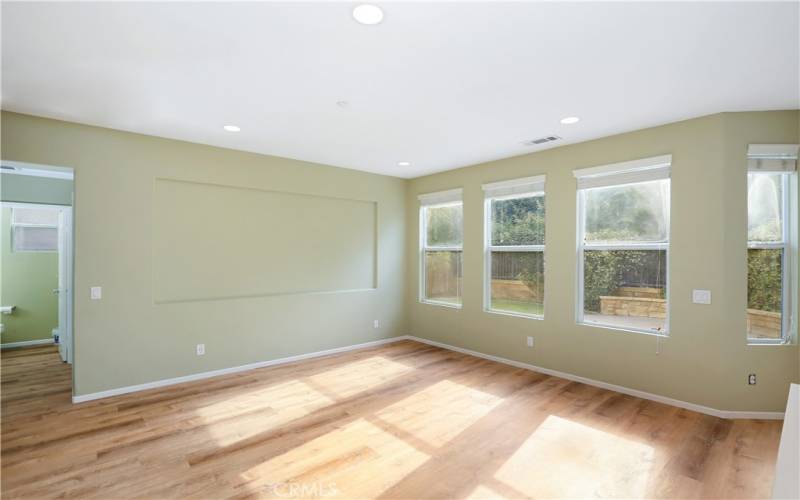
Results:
x,y
14,225
620,174
449,198
772,159
527,187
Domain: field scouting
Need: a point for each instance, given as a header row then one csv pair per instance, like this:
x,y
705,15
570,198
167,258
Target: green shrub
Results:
x,y
764,279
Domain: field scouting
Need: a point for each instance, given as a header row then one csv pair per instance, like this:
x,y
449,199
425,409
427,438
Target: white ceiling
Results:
x,y
441,85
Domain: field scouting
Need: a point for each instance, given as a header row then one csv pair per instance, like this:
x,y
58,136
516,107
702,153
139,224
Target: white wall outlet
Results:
x,y
751,379
201,349
376,324
96,292
701,296
530,341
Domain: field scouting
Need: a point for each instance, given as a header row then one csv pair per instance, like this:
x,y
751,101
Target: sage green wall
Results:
x,y
126,338
706,358
27,280
29,189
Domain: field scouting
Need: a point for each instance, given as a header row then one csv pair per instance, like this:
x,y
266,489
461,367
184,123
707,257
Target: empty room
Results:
x,y
399,250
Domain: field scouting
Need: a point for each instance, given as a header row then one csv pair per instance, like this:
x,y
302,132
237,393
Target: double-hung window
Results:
x,y
771,192
514,236
34,229
623,242
441,247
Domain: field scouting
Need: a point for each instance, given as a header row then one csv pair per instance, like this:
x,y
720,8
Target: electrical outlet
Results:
x,y
530,341
201,349
376,324
96,292
751,379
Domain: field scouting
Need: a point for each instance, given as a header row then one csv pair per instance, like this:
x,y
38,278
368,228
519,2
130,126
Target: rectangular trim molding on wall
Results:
x,y
729,414
26,343
240,244
762,415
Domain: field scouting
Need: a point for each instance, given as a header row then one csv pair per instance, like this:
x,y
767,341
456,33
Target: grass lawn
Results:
x,y
515,306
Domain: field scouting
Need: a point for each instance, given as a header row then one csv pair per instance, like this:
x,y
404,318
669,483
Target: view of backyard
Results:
x,y
765,261
518,306
624,288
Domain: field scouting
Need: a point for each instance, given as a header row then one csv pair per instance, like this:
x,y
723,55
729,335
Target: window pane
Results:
x,y
36,216
518,282
30,239
443,277
444,225
764,293
626,288
764,207
518,221
633,212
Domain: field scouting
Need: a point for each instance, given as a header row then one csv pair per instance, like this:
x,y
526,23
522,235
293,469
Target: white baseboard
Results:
x,y
26,343
225,371
758,415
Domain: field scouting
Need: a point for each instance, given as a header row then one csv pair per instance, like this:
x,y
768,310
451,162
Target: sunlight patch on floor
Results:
x,y
458,405
343,460
564,459
260,410
352,378
481,492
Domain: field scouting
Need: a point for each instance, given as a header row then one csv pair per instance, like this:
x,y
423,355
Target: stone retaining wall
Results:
x,y
642,292
633,306
763,324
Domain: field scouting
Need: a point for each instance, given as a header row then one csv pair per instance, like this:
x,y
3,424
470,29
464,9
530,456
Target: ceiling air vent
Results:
x,y
542,140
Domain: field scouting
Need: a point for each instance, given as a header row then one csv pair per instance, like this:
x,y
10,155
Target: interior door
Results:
x,y
65,283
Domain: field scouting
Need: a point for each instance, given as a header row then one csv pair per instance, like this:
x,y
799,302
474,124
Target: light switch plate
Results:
x,y
96,293
701,296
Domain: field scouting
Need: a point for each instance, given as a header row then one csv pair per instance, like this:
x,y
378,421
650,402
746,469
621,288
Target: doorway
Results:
x,y
36,272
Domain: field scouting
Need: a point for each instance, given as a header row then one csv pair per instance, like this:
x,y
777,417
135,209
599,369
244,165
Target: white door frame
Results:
x,y
65,282
65,271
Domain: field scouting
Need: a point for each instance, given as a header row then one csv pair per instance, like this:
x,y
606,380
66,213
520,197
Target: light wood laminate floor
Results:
x,y
404,420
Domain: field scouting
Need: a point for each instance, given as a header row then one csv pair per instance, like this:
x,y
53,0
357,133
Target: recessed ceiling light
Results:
x,y
570,120
231,128
403,163
368,14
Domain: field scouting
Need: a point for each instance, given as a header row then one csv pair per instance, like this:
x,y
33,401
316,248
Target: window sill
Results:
x,y
771,343
440,304
513,314
664,334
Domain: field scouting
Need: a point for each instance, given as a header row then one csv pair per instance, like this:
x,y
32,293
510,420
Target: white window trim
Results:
x,y
441,198
780,158
520,188
619,174
14,225
627,172
452,197
507,190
